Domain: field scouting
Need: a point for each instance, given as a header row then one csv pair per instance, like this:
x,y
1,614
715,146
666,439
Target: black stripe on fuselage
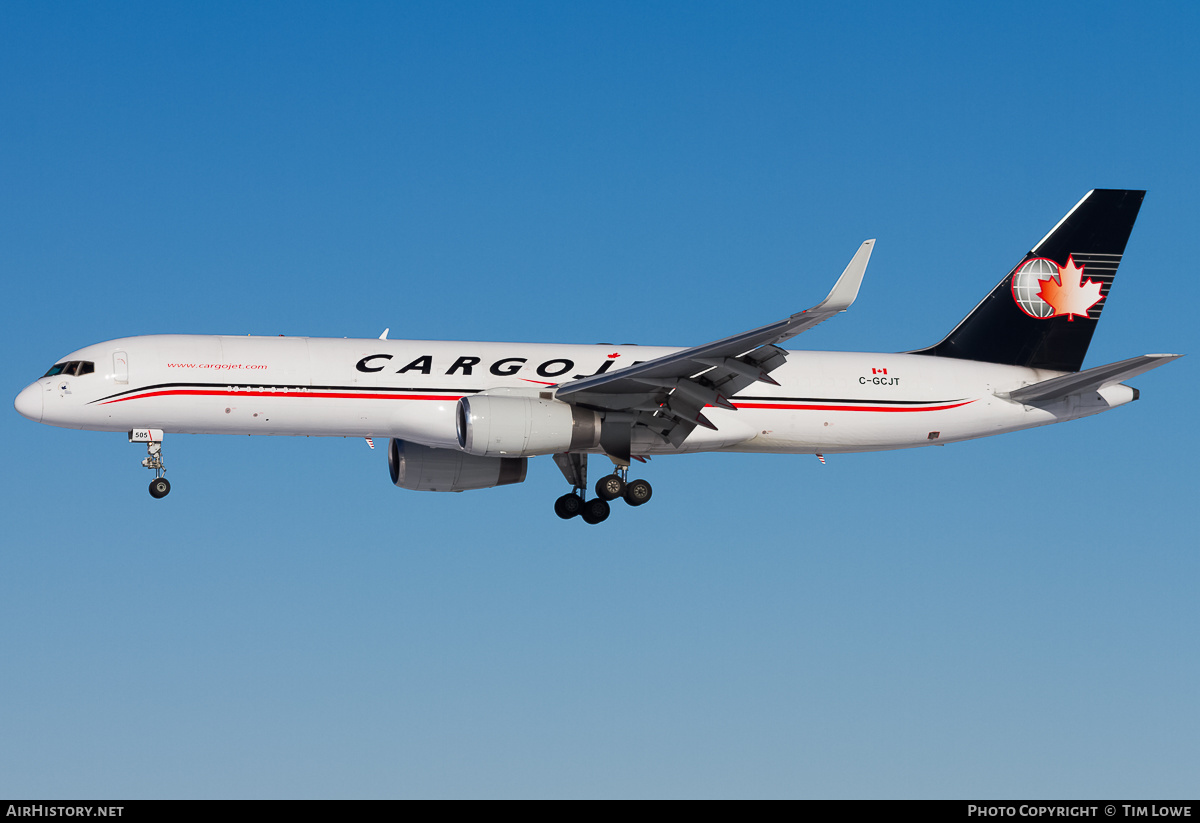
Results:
x,y
292,386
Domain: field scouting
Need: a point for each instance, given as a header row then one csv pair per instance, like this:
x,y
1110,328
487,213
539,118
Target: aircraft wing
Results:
x,y
667,394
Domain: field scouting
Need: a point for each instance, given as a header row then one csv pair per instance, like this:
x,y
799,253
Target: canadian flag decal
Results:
x,y
878,371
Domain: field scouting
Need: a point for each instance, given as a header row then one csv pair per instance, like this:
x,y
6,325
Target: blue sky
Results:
x,y
287,624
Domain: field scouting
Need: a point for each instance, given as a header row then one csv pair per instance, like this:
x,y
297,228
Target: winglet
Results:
x,y
845,290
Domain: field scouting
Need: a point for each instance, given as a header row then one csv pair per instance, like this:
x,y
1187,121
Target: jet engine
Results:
x,y
421,468
519,425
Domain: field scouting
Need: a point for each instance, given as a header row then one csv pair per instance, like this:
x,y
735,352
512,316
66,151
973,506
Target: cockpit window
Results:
x,y
73,367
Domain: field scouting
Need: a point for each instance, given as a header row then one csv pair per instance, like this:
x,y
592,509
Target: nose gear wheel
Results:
x,y
160,487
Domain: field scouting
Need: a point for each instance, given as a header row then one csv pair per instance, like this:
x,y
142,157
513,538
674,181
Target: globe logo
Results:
x,y
1026,285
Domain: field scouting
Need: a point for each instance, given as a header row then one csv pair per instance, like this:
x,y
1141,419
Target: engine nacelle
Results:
x,y
523,426
421,468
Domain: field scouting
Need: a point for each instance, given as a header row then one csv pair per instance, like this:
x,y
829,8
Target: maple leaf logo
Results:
x,y
614,355
1066,294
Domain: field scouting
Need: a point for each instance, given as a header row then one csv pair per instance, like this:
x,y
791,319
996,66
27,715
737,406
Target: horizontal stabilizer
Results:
x,y
1089,380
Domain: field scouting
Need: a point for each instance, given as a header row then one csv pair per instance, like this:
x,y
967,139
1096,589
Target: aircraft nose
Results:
x,y
29,402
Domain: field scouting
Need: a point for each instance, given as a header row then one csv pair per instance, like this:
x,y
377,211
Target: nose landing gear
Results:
x,y
159,487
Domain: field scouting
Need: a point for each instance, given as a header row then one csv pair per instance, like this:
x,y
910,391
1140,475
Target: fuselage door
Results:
x,y
120,367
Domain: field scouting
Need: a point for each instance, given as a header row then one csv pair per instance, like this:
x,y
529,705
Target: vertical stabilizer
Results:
x,y
1044,312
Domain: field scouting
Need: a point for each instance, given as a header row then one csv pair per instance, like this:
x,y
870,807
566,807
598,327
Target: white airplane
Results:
x,y
469,415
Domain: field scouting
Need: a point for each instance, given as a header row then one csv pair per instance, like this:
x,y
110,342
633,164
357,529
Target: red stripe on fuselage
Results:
x,y
372,396
341,395
811,407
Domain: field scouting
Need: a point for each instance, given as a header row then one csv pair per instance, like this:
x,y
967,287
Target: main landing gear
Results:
x,y
608,488
160,487
635,492
573,503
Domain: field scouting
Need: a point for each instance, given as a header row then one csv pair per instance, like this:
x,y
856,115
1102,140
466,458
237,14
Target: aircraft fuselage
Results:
x,y
827,402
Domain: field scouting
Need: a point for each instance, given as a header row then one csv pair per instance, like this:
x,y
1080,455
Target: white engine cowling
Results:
x,y
522,426
421,468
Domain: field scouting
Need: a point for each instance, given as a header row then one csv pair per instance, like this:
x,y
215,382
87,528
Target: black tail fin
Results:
x,y
1043,314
